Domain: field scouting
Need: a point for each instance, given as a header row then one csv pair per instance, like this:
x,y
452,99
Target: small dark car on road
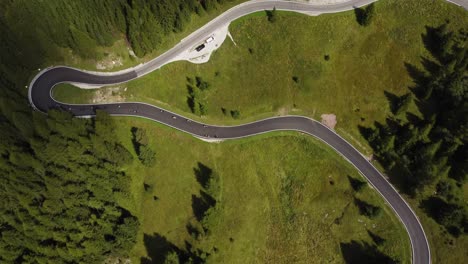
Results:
x,y
202,46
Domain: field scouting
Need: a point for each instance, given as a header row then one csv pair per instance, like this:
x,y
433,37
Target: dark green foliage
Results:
x,y
202,108
403,104
172,258
148,188
79,25
356,252
439,41
235,114
201,84
147,156
161,250
192,99
430,152
429,149
207,179
65,209
82,43
195,92
365,15
208,5
367,209
204,206
452,216
356,184
271,15
143,31
448,190
140,141
61,176
83,24
378,240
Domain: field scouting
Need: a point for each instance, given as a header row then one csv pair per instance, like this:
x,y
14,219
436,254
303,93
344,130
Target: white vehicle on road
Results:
x,y
208,40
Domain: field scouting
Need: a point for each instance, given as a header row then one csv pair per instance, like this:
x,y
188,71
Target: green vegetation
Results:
x,y
140,143
63,188
196,98
367,209
268,199
357,184
271,15
421,152
235,114
341,68
82,25
365,15
256,79
66,191
87,33
261,206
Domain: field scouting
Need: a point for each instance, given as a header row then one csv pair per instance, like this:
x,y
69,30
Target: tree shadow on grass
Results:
x,y
193,231
203,174
366,132
450,215
393,100
201,204
136,145
360,14
399,176
435,41
191,98
420,80
158,247
356,252
367,209
378,240
356,184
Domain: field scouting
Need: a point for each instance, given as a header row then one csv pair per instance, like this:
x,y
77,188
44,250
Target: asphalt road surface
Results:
x,y
41,99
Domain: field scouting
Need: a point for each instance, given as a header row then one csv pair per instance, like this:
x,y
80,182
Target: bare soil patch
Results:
x,y
329,120
106,95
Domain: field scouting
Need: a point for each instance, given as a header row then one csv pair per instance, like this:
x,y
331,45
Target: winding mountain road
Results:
x,y
41,99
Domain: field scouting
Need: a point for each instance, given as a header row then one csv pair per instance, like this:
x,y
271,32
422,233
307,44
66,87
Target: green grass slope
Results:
x,y
255,76
282,197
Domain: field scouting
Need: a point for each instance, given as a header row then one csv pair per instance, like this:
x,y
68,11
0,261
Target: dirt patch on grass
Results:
x,y
329,120
283,111
110,61
106,95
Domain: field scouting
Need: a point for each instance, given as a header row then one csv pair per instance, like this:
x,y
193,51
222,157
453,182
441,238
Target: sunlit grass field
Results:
x,y
255,76
280,197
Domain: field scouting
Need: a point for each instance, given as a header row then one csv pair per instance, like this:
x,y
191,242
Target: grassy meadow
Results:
x,y
276,69
282,197
280,68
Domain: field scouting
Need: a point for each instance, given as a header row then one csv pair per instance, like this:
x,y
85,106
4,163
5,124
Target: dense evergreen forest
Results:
x,y
83,24
62,178
426,154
